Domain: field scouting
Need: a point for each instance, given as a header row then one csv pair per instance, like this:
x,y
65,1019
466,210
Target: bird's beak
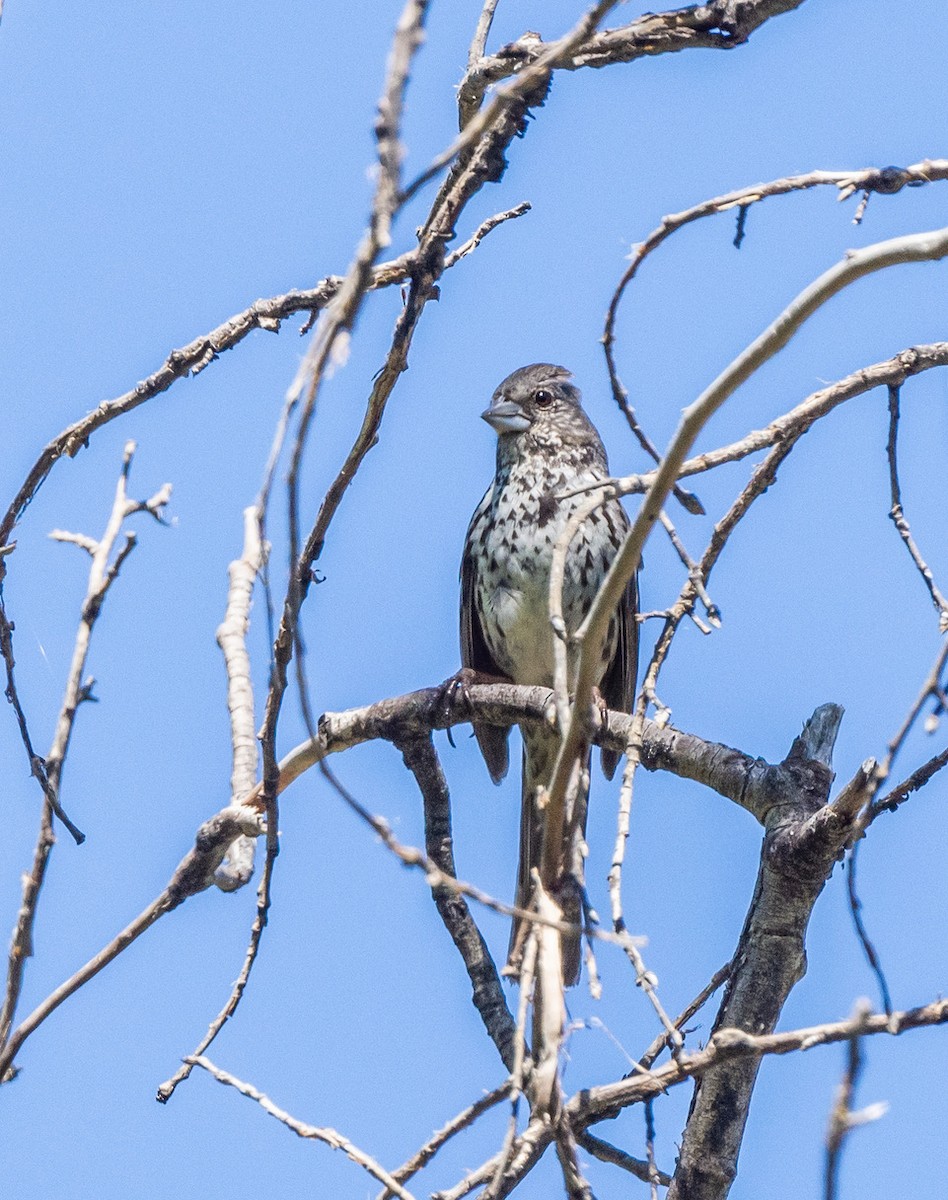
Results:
x,y
506,416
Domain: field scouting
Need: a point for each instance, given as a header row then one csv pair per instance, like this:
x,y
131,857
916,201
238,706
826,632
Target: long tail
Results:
x,y
540,747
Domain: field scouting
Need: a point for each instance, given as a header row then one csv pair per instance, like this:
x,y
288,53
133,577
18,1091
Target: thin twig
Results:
x,y
929,688
606,1152
527,1151
658,1045
463,1120
842,1118
901,792
855,908
316,1133
481,33
897,513
694,571
653,1174
519,1065
166,1089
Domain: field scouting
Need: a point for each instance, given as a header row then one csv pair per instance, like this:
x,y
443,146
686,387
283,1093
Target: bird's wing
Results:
x,y
476,654
618,684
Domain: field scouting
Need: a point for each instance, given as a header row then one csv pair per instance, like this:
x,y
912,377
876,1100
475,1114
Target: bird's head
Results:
x,y
542,400
535,397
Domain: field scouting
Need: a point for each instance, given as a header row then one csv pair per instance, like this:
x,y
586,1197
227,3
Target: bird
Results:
x,y
548,450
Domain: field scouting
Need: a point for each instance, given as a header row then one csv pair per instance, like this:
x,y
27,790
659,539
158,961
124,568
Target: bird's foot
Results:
x,y
453,696
600,709
453,700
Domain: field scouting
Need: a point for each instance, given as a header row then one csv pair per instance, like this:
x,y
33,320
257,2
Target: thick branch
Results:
x,y
803,839
729,772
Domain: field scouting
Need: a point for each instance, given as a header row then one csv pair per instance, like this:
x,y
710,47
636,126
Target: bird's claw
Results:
x,y
600,709
453,696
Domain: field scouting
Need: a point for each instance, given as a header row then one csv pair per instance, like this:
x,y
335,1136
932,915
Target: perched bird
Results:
x,y
547,448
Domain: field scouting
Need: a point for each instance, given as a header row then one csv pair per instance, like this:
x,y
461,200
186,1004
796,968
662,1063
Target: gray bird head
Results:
x,y
540,399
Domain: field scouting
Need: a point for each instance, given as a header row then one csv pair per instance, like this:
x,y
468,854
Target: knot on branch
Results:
x,y
196,870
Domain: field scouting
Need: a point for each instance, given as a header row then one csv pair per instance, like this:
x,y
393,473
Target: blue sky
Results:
x,y
164,166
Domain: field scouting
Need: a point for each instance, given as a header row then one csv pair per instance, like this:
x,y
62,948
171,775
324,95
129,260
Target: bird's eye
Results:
x,y
542,398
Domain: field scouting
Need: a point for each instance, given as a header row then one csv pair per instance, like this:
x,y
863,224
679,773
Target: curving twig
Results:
x,y
919,247
885,181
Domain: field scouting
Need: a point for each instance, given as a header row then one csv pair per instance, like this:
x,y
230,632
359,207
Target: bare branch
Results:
x,y
194,873
886,181
166,1089
103,572
462,1121
606,1152
481,33
720,25
189,360
483,230
892,372
920,247
316,1133
528,1149
606,1100
658,1045
532,80
237,867
928,689
901,792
